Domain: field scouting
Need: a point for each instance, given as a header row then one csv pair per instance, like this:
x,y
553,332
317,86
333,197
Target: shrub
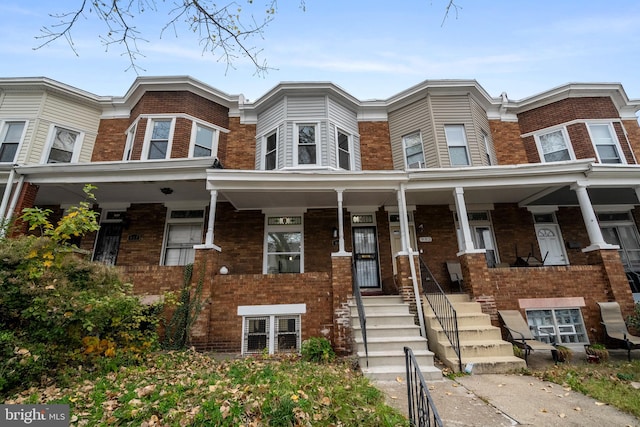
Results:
x,y
317,349
633,321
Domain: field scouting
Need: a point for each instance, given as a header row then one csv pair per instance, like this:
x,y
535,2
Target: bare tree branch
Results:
x,y
450,4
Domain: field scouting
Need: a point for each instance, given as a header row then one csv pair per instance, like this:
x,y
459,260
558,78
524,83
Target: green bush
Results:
x,y
633,321
317,349
59,310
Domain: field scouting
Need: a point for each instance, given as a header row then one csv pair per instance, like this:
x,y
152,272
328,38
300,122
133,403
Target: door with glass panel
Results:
x,y
365,255
108,243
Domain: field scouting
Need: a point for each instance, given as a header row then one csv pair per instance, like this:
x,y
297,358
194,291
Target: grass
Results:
x,y
609,382
193,389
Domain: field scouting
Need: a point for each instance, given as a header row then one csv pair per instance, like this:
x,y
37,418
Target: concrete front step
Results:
x,y
379,320
466,319
484,348
376,343
395,357
470,333
379,309
386,331
393,372
492,365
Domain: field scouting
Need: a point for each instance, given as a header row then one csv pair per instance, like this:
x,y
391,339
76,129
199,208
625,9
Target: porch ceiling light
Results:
x,y
166,190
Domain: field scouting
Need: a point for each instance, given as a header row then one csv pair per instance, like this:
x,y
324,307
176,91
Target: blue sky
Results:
x,y
372,49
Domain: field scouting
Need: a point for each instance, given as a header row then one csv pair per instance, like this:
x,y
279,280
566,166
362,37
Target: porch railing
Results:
x,y
361,314
442,308
422,409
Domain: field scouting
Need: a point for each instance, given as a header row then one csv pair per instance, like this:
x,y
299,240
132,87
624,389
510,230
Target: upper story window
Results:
x,y
159,135
344,151
64,145
307,144
457,144
605,143
414,155
203,141
131,136
271,151
10,136
554,146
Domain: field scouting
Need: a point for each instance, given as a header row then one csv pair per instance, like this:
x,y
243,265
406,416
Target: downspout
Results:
x,y
412,264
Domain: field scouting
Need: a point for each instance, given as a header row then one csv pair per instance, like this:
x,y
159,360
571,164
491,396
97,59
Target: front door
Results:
x,y
108,243
551,247
365,254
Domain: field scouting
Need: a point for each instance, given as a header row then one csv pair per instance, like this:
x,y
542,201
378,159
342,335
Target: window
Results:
x,y
606,144
159,141
619,229
63,145
414,155
274,333
183,231
554,146
457,143
307,144
10,138
283,247
559,325
271,151
344,152
203,141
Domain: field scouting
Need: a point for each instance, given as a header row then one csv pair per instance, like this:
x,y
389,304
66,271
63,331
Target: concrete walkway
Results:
x,y
510,400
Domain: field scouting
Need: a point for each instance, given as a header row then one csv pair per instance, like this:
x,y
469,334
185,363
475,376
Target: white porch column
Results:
x,y
340,221
5,197
208,244
590,220
404,230
466,245
16,196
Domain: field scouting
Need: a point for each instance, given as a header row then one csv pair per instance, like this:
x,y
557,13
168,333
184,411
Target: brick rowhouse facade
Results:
x,y
241,242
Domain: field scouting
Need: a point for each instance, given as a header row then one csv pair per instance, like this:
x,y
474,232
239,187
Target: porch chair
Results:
x,y
455,273
615,329
520,335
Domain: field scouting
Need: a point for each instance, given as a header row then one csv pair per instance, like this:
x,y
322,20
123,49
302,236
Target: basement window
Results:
x,y
560,325
275,334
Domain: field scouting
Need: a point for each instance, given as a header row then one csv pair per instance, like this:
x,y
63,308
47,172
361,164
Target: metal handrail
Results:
x,y
361,314
442,308
422,409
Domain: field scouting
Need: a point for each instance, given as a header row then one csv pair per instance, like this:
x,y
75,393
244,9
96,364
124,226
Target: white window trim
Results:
x,y
350,143
77,147
614,137
149,132
3,124
565,135
271,312
465,143
296,143
558,340
130,134
473,224
294,228
264,138
423,164
168,221
194,132
488,152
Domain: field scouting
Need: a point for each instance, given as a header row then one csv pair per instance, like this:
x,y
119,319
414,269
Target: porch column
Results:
x,y
404,229
16,196
466,244
208,244
596,239
340,222
5,198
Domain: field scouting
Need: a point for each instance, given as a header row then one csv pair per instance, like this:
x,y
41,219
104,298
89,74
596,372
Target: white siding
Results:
x,y
22,105
412,118
269,120
455,110
482,125
346,120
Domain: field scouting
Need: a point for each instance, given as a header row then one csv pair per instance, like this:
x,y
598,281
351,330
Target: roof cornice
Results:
x,y
50,85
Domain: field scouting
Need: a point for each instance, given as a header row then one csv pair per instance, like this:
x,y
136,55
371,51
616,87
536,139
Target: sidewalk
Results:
x,y
511,400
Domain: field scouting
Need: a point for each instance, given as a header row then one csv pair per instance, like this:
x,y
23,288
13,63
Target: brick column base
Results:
x,y
618,288
205,267
341,285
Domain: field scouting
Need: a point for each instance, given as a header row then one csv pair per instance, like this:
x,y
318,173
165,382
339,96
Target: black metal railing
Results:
x,y
442,308
361,314
422,409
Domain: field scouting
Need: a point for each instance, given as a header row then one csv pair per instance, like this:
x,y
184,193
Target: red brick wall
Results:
x,y
573,230
147,225
239,151
565,111
110,140
27,199
633,133
375,146
341,283
164,102
513,227
509,147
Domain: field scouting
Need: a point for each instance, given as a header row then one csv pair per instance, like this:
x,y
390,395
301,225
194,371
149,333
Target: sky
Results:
x,y
372,49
